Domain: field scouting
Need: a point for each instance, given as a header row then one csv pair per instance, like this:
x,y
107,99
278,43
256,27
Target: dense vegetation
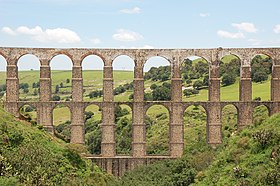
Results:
x,y
30,156
247,157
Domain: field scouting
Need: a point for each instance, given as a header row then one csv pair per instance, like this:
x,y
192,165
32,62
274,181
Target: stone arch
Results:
x,y
94,53
123,129
260,113
92,77
62,125
157,71
93,128
195,122
29,77
62,53
3,77
230,70
195,69
28,112
261,70
61,77
129,54
157,121
123,67
229,119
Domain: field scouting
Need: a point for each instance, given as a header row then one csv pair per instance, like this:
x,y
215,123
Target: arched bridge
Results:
x,y
108,158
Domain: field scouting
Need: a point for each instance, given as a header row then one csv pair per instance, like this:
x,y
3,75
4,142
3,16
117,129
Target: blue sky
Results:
x,y
140,23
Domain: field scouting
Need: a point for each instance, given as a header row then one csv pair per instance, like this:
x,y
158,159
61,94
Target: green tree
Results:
x,y
260,76
67,80
187,92
35,92
56,98
25,90
61,85
197,84
228,79
56,89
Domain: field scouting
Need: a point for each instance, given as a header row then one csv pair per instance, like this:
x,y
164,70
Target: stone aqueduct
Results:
x,y
108,159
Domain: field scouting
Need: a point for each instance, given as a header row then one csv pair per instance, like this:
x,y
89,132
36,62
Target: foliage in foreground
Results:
x,y
29,156
248,157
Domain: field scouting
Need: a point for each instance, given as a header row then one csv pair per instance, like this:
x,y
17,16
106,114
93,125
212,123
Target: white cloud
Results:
x,y
255,42
127,35
95,41
247,27
58,35
204,14
230,35
9,31
277,29
135,10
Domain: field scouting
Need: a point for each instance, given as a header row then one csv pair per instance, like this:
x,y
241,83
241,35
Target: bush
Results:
x,y
197,84
228,79
56,98
260,76
263,137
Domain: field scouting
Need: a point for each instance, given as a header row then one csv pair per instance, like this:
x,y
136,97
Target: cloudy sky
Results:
x,y
139,24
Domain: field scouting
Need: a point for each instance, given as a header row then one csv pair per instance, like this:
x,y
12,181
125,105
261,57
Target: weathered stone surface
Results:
x,y
108,159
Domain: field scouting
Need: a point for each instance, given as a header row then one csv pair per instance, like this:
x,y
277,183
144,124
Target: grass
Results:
x,y
92,80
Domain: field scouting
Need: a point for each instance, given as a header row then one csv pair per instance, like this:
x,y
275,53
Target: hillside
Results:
x,y
248,157
30,156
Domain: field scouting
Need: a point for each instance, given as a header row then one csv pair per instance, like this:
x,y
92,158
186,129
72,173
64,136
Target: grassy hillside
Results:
x,y
30,156
247,157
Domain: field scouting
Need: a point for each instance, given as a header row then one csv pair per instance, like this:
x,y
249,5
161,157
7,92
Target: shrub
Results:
x,y
263,137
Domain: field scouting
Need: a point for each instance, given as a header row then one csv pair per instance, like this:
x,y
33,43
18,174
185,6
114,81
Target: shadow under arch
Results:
x,y
3,77
157,79
230,68
195,122
195,78
61,75
92,66
61,120
29,77
93,122
261,70
28,112
123,132
157,121
229,120
123,76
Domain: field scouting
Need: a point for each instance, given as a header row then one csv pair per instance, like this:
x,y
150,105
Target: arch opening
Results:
x,y
261,68
3,76
28,113
123,67
29,77
229,121
123,120
93,122
157,76
92,78
61,116
157,121
260,113
61,74
230,66
195,77
195,121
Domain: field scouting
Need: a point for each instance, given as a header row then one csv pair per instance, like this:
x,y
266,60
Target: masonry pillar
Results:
x,y
214,125
275,88
176,128
77,112
12,91
45,108
245,110
138,125
108,117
